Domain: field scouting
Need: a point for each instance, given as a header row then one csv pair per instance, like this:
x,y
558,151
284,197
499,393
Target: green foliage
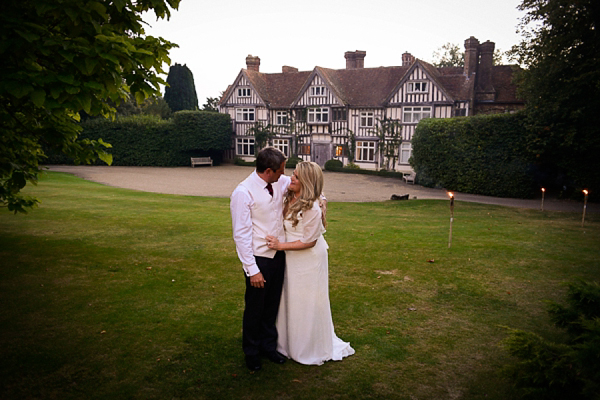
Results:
x,y
156,106
351,147
58,58
150,141
292,162
262,134
452,55
559,82
389,133
211,104
549,370
480,155
243,163
355,169
449,55
203,130
332,164
181,92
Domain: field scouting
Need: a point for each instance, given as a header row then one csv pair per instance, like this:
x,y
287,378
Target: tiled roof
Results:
x,y
502,80
365,87
370,87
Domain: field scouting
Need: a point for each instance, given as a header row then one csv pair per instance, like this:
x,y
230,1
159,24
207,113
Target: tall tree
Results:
x,y
211,104
561,85
58,58
451,55
181,92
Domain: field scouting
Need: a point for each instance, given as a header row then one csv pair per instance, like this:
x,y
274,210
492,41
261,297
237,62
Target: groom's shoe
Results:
x,y
253,363
275,357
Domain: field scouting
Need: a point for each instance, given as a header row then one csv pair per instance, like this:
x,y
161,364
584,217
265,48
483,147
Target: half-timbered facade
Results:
x,y
324,114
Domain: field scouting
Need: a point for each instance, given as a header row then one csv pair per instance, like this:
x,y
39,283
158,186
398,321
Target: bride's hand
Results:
x,y
272,242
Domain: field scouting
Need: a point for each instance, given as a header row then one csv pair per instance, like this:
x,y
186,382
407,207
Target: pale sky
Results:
x,y
215,36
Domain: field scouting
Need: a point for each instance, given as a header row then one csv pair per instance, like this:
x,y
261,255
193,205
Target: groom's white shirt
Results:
x,y
255,214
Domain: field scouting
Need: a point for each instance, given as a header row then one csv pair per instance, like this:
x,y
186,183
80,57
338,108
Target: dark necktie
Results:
x,y
270,189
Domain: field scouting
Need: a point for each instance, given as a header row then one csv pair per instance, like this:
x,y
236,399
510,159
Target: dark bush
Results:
x,y
150,141
293,161
546,369
481,155
384,173
333,163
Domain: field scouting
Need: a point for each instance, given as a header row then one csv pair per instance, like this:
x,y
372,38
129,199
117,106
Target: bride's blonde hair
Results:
x,y
310,177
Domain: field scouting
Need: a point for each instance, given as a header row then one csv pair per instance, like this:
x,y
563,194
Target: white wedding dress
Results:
x,y
304,322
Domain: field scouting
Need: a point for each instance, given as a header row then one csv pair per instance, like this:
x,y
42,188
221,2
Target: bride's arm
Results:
x,y
275,244
311,232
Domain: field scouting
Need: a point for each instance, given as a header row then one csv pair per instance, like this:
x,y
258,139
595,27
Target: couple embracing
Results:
x,y
278,230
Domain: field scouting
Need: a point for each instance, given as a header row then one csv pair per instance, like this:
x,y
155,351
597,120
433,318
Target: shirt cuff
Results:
x,y
251,270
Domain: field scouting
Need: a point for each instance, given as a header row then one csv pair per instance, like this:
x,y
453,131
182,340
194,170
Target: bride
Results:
x,y
304,321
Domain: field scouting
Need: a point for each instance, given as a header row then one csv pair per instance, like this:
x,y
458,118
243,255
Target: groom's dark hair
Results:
x,y
269,157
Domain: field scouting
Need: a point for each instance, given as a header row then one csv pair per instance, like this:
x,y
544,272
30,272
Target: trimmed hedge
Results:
x,y
358,171
333,163
480,155
289,163
150,141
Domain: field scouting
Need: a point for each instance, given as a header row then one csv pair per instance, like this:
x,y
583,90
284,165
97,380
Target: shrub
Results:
x,y
293,161
352,166
239,161
150,141
482,155
550,370
332,164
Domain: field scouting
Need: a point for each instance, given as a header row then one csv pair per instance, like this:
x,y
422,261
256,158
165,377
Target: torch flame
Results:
x,y
543,189
451,194
585,192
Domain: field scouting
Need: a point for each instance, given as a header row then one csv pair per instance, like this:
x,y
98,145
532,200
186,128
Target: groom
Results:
x,y
257,211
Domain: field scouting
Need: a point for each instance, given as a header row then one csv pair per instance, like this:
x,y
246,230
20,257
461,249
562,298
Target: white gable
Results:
x,y
418,88
243,93
317,93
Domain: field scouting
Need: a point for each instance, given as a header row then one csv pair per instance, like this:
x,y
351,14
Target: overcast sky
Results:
x,y
215,36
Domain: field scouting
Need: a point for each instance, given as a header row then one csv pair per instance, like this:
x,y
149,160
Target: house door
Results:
x,y
321,153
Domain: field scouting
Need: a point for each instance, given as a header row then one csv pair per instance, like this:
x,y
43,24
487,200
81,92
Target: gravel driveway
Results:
x,y
219,181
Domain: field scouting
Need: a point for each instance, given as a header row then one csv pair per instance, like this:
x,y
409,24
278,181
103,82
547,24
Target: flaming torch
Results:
x,y
585,193
543,193
451,217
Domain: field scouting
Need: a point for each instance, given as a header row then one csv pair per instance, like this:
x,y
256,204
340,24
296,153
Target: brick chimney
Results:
x,y
355,59
471,56
484,89
407,59
287,70
486,61
253,63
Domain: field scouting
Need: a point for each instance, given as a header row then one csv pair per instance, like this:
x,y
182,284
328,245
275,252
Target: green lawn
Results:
x,y
114,294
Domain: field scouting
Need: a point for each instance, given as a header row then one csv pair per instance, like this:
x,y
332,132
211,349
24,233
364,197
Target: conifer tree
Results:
x,y
181,92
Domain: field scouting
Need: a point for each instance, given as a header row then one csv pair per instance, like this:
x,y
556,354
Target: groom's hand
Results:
x,y
257,281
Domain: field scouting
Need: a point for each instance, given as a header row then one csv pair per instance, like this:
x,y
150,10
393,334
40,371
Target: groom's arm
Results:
x,y
241,219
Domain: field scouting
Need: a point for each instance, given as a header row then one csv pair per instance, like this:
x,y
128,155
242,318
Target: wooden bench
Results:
x,y
410,178
201,161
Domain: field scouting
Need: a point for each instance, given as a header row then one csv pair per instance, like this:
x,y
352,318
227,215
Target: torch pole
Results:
x,y
543,193
451,218
585,192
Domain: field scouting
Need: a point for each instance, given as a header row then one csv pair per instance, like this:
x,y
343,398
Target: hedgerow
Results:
x,y
150,141
482,155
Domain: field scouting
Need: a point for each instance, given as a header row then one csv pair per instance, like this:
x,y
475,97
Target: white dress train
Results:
x,y
304,322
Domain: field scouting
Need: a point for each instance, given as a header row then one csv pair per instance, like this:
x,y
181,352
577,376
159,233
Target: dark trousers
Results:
x,y
259,332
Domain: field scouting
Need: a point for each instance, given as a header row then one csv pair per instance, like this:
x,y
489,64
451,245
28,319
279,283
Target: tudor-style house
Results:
x,y
319,115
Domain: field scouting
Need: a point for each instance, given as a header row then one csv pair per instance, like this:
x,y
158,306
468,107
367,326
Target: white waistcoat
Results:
x,y
267,216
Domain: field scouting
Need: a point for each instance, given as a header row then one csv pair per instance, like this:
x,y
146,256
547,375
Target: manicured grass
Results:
x,y
116,294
